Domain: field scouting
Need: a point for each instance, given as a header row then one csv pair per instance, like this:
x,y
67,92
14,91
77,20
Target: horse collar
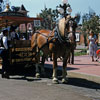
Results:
x,y
59,37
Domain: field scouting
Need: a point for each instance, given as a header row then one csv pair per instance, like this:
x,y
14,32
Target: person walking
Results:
x,y
4,54
92,45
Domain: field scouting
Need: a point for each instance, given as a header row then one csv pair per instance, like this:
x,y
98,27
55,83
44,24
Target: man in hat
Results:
x,y
4,54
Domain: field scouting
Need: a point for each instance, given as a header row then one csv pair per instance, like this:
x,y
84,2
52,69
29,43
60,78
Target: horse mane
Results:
x,y
61,24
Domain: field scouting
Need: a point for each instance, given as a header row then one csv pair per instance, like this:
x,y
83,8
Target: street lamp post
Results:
x,y
62,9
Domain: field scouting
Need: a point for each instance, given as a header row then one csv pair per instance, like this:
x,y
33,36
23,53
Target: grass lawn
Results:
x,y
80,52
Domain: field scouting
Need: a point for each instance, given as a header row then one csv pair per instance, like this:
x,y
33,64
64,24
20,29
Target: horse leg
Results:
x,y
55,80
72,59
42,66
37,66
37,71
64,72
69,58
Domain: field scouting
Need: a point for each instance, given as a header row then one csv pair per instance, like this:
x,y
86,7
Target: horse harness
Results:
x,y
57,36
47,38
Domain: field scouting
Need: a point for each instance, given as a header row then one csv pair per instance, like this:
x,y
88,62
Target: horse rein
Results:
x,y
47,37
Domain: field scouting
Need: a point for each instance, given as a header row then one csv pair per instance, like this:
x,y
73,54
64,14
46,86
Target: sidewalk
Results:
x,y
83,68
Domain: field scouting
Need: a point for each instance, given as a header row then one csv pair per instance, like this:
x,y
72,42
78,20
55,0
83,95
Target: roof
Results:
x,y
22,8
8,20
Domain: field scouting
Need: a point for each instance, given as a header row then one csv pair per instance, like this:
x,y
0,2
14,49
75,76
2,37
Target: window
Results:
x,y
77,37
37,23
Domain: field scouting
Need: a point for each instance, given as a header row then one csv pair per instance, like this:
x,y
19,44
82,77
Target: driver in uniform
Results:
x,y
4,54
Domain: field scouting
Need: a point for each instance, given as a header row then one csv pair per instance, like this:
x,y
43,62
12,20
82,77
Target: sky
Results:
x,y
78,6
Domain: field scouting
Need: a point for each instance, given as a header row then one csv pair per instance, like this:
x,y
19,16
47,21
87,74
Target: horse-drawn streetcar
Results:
x,y
20,51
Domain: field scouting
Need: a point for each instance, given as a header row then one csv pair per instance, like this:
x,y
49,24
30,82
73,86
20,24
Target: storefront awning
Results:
x,y
15,20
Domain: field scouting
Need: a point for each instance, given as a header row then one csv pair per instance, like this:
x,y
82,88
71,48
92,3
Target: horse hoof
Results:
x,y
65,81
55,81
37,75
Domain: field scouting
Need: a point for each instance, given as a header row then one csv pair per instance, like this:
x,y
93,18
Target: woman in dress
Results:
x,y
92,45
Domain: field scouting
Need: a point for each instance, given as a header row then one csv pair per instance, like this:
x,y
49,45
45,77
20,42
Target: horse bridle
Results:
x,y
66,32
70,22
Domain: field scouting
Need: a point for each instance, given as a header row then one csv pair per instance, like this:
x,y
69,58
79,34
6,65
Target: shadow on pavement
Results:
x,y
60,67
24,72
76,81
83,83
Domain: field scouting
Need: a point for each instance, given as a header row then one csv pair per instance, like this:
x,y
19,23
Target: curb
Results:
x,y
88,77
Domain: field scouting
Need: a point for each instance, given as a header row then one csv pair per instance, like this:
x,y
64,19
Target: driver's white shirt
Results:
x,y
4,39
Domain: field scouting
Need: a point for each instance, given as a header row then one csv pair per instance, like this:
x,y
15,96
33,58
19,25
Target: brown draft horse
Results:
x,y
57,43
71,55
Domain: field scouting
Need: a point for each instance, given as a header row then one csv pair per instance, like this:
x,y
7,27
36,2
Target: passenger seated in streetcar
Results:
x,y
13,34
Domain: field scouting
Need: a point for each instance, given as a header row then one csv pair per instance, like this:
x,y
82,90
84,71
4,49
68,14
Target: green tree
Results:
x,y
49,18
90,21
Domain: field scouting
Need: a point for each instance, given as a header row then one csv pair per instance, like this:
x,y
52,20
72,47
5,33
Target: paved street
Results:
x,y
22,84
29,88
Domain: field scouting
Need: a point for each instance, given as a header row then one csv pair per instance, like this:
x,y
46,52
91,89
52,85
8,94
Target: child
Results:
x,y
98,54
